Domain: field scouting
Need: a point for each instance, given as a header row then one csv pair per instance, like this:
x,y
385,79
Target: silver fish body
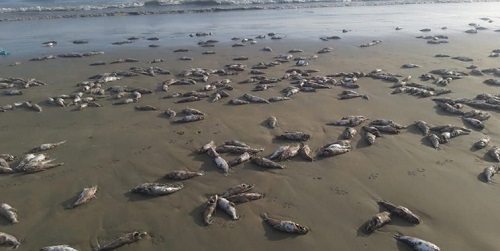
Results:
x,y
377,221
482,143
285,225
228,207
9,212
85,196
494,152
222,164
157,189
182,175
8,240
126,239
47,146
244,197
306,153
58,248
210,207
401,211
189,118
241,188
299,136
348,133
434,139
240,159
490,171
272,122
263,162
417,244
423,126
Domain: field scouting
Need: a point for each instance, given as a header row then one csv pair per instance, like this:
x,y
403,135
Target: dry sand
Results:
x,y
117,148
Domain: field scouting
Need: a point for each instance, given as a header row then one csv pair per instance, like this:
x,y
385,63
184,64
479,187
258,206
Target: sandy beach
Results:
x,y
118,147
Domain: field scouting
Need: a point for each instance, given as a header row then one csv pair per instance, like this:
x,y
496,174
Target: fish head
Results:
x,y
138,235
302,229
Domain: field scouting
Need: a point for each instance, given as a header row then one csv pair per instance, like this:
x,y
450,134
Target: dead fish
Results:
x,y
122,241
475,122
300,136
8,240
272,122
238,102
417,244
289,152
240,159
170,113
182,175
267,163
210,207
482,143
47,146
494,152
4,164
236,143
157,189
85,196
124,102
386,122
306,152
434,139
188,99
241,188
206,147
13,92
278,152
377,221
38,166
228,207
458,132
372,130
370,138
255,99
348,133
244,197
146,108
401,211
285,225
58,248
222,164
277,99
387,129
449,128
490,171
189,118
333,150
7,157
423,126
237,149
192,111
9,212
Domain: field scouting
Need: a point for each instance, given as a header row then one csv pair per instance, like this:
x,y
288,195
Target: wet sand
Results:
x,y
117,148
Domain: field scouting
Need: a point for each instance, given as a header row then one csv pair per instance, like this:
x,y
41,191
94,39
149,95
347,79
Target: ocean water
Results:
x,y
23,38
15,10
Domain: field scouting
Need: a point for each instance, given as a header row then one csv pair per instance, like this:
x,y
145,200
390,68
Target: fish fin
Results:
x,y
264,216
60,143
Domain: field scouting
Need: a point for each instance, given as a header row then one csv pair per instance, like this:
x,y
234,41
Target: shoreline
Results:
x,y
269,6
